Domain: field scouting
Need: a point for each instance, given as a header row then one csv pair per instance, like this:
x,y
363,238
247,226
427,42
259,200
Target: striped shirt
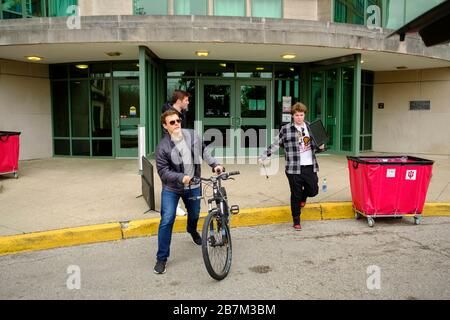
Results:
x,y
288,138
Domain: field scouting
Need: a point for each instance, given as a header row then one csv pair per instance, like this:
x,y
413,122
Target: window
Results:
x,y
150,7
230,8
82,107
394,13
267,8
35,8
191,7
59,8
367,78
14,9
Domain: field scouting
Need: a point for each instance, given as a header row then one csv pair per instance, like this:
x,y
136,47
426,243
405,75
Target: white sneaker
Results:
x,y
180,212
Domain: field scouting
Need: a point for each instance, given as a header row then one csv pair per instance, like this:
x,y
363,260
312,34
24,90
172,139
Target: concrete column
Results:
x,y
249,8
210,7
105,7
26,106
170,7
325,10
300,9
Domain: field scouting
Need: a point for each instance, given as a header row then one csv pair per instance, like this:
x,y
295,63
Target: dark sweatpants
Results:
x,y
302,186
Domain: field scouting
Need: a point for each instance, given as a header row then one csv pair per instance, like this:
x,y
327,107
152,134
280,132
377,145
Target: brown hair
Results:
x,y
168,113
298,107
179,95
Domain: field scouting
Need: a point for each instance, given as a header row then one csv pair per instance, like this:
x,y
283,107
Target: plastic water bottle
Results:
x,y
324,185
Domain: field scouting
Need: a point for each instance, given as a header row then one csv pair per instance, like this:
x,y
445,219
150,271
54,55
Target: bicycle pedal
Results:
x,y
234,209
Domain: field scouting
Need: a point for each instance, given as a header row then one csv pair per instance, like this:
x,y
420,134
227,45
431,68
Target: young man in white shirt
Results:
x,y
301,163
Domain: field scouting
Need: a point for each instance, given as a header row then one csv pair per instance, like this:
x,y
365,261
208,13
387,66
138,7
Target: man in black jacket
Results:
x,y
179,103
178,158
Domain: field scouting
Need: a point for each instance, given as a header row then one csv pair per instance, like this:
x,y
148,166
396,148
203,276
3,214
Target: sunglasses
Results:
x,y
173,122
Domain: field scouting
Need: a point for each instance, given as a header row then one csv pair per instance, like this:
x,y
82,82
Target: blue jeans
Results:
x,y
169,203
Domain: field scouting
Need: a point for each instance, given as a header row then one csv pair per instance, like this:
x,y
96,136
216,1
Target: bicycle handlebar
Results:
x,y
222,176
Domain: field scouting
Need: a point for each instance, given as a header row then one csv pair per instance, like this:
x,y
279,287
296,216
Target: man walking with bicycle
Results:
x,y
301,161
178,159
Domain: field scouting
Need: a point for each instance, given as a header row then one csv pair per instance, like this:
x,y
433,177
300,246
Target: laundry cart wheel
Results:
x,y
417,220
370,222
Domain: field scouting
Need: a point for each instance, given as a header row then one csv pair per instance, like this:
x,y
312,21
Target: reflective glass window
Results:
x,y
216,69
267,8
101,108
79,70
35,8
81,148
102,148
254,71
253,101
191,7
150,7
179,69
230,8
126,69
60,102
61,147
60,8
79,97
100,70
217,100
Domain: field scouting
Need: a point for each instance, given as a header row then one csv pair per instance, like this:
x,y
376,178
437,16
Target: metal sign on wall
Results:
x,y
420,105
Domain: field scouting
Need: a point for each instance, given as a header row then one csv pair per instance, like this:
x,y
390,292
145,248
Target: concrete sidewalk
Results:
x,y
62,193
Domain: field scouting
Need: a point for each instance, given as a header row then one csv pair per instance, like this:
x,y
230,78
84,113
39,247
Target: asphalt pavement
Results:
x,y
337,259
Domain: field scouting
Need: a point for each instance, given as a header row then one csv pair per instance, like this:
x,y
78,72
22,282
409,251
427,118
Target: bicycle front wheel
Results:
x,y
216,246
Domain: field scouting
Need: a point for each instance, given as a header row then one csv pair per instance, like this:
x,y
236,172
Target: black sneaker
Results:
x,y
196,238
160,267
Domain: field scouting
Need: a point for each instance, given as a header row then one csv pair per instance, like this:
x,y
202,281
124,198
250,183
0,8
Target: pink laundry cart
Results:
x,y
389,186
9,153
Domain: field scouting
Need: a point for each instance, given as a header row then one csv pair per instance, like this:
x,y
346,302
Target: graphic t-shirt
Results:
x,y
304,140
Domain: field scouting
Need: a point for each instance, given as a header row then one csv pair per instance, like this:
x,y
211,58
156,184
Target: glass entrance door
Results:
x,y
324,102
126,118
253,117
235,116
331,102
217,115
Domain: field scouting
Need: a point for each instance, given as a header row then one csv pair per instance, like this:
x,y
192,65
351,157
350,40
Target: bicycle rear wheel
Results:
x,y
216,246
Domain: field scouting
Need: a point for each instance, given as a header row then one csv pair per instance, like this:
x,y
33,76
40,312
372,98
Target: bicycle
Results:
x,y
216,237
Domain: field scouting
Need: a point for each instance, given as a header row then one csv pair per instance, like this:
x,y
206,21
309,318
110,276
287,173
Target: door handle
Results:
x,y
117,123
240,122
232,122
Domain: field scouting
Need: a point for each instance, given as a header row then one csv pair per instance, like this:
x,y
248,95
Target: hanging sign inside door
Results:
x,y
287,103
132,111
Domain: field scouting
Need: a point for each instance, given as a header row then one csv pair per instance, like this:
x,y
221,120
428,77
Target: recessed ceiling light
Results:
x,y
362,61
202,53
292,69
288,56
82,66
223,65
33,58
113,54
259,68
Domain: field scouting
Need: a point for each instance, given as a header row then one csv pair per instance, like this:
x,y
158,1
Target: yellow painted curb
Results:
x,y
337,210
436,209
60,238
149,227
